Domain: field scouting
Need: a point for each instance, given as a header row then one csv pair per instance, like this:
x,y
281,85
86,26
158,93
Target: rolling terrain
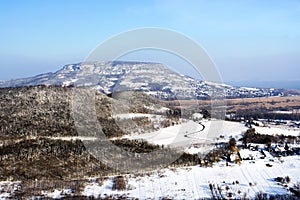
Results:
x,y
142,109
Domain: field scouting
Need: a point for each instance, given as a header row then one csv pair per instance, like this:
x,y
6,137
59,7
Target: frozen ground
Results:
x,y
222,181
278,131
233,181
133,115
192,133
246,180
237,181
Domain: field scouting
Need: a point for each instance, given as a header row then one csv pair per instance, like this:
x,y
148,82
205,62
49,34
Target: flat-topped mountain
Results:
x,y
152,78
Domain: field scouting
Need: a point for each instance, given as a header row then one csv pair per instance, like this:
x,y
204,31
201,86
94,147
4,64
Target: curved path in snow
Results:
x,y
188,134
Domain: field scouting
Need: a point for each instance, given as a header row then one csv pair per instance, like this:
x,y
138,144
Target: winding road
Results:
x,y
188,134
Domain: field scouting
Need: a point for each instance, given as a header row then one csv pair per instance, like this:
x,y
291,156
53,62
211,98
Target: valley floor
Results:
x,y
246,180
222,180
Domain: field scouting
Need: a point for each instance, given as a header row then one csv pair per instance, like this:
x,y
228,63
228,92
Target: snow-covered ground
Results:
x,y
192,132
239,181
248,179
7,188
133,115
234,181
277,131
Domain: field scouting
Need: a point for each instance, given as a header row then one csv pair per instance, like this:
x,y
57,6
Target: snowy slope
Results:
x,y
152,78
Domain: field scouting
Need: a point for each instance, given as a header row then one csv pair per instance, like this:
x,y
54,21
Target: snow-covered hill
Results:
x,y
152,78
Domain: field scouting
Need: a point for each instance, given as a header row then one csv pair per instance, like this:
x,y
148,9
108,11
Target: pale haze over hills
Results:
x,y
257,40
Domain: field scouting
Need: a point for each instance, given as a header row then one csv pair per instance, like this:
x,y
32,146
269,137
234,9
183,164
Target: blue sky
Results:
x,y
248,40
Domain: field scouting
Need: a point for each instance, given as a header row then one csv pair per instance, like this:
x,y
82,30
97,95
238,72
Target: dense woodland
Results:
x,y
32,120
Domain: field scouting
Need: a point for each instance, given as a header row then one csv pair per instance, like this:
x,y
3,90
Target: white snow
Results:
x,y
67,83
56,194
250,88
4,195
282,112
69,138
92,189
190,132
161,109
197,116
195,149
193,182
251,177
102,191
277,131
132,115
8,188
246,153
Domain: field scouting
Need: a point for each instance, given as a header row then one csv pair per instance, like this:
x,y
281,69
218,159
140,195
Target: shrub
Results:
x,y
119,183
288,179
136,146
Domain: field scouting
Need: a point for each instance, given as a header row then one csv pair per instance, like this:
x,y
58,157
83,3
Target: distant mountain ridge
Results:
x,y
152,78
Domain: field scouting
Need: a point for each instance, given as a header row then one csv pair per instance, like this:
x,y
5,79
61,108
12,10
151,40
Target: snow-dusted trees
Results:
x,y
233,154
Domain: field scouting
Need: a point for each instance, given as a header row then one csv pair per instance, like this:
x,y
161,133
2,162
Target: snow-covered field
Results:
x,y
278,131
238,181
193,182
232,181
192,133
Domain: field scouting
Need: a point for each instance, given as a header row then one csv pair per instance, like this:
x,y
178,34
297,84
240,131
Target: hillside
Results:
x,y
152,78
43,156
47,110
39,138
